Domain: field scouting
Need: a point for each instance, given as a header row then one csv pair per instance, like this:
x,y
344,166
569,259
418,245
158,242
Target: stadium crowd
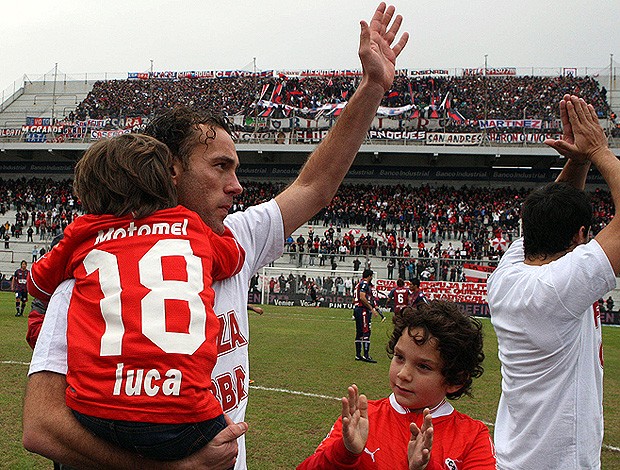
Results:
x,y
474,97
419,231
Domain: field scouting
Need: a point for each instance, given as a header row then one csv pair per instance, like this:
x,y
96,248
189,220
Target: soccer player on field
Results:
x,y
416,297
363,310
142,334
543,304
19,286
436,353
399,296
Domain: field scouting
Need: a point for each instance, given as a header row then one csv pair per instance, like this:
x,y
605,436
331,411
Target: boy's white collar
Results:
x,y
444,408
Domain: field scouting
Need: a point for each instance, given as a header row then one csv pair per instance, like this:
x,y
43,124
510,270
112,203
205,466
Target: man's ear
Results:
x,y
581,236
175,171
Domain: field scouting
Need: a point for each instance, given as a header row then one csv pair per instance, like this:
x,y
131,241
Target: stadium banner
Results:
x,y
477,272
330,73
209,74
38,121
97,134
385,111
525,123
520,137
42,129
416,73
405,136
498,72
373,172
37,167
10,132
36,138
471,297
440,138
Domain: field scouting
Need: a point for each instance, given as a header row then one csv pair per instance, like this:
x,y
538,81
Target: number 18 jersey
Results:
x,y
142,334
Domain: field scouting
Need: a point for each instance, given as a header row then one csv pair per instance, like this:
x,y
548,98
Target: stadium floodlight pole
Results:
x,y
486,97
257,97
524,133
54,90
610,91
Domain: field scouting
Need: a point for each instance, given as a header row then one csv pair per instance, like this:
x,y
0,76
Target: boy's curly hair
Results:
x,y
458,336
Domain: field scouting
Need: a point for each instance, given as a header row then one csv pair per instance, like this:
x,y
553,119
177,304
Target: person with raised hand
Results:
x,y
543,304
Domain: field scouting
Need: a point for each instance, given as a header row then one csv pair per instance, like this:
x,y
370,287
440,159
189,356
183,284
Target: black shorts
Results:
x,y
21,295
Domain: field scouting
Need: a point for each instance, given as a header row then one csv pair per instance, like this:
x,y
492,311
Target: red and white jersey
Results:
x,y
400,297
142,334
459,442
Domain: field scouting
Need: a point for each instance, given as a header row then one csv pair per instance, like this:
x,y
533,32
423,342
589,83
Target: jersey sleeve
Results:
x,y
228,256
331,453
260,231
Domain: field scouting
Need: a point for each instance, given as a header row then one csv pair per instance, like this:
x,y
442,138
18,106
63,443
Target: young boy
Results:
x,y
436,352
142,333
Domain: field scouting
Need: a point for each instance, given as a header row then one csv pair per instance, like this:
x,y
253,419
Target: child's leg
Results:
x,y
157,441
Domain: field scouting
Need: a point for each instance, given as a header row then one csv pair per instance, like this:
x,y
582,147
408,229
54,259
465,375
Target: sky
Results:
x,y
116,37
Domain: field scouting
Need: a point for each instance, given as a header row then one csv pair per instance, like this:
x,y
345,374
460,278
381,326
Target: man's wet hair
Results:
x,y
179,128
552,216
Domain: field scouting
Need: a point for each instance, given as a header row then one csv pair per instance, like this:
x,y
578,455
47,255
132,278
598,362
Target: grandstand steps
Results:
x,y
20,249
40,98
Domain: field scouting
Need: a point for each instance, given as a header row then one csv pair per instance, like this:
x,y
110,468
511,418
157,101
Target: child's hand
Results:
x,y
421,442
355,421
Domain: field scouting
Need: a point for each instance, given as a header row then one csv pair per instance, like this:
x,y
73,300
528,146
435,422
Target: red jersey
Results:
x,y
459,442
142,333
400,297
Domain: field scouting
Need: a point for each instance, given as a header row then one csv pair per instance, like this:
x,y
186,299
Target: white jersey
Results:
x,y
260,231
550,413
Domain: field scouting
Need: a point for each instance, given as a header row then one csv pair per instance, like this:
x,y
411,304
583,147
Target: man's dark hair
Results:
x,y
179,128
415,282
458,336
552,216
400,282
366,273
128,174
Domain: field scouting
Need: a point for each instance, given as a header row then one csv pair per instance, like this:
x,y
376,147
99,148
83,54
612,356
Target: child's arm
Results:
x,y
343,447
228,255
421,443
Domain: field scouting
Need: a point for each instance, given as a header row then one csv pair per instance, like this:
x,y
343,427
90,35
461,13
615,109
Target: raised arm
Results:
x,y
591,142
325,169
577,166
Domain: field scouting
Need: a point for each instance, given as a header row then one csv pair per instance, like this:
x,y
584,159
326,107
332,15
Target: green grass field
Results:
x,y
301,363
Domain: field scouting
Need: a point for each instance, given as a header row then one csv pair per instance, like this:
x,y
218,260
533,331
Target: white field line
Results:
x,y
315,395
305,394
